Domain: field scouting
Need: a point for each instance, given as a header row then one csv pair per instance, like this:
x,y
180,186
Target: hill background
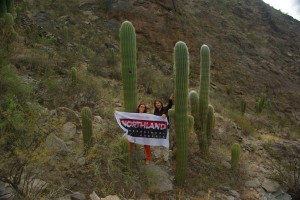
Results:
x,y
254,52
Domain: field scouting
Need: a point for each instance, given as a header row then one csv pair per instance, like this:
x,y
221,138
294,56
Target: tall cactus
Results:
x,y
129,71
3,8
87,129
235,155
181,58
203,97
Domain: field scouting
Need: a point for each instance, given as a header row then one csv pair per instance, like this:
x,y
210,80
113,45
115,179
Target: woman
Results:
x,y
142,108
161,110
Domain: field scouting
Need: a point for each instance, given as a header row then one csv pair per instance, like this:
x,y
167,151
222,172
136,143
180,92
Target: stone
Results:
x,y
55,144
69,130
253,183
159,180
269,185
94,196
111,197
78,196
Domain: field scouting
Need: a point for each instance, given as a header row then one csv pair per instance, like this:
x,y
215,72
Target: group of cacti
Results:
x,y
182,120
202,112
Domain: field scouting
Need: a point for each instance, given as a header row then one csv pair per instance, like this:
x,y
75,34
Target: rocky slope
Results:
x,y
254,50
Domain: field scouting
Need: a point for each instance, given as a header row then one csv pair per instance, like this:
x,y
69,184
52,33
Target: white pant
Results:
x,y
159,152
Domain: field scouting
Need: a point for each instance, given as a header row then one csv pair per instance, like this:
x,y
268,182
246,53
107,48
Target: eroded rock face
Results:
x,y
285,148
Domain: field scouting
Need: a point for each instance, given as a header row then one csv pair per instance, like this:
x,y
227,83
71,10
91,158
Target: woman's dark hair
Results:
x,y
142,104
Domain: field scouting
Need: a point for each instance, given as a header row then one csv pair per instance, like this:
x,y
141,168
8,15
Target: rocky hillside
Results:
x,y
254,52
254,47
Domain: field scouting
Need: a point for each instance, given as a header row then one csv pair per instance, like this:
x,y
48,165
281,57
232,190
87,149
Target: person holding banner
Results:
x,y
142,108
162,111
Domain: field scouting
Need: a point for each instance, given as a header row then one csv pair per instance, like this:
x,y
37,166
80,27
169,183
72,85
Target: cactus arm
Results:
x,y
194,104
210,123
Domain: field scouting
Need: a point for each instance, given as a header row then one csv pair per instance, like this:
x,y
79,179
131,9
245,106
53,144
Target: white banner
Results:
x,y
143,128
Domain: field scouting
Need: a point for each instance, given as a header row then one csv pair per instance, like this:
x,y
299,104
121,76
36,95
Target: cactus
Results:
x,y
3,8
181,59
203,97
261,103
87,129
235,155
73,76
129,71
243,106
210,123
194,104
10,6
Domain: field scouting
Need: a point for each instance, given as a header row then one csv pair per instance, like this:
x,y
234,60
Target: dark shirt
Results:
x,y
164,110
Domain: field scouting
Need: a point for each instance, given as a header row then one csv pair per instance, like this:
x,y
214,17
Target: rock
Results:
x,y
253,183
111,197
226,164
98,119
77,196
235,194
55,144
144,197
6,192
159,180
270,186
69,130
33,185
94,196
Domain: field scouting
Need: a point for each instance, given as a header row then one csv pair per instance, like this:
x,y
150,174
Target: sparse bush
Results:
x,y
154,82
106,5
105,67
286,169
20,134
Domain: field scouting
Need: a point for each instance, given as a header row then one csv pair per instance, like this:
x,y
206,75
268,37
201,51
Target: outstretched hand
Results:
x,y
171,96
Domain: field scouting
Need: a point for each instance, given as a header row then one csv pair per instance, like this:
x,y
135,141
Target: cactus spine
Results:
x,y
181,58
3,8
87,129
129,71
204,92
235,155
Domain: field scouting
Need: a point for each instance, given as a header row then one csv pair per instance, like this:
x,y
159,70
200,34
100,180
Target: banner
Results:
x,y
143,128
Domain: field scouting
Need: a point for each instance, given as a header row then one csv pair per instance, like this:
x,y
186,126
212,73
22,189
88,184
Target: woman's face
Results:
x,y
158,105
142,108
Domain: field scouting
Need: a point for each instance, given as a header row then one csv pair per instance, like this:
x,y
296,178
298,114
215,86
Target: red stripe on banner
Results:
x,y
143,124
